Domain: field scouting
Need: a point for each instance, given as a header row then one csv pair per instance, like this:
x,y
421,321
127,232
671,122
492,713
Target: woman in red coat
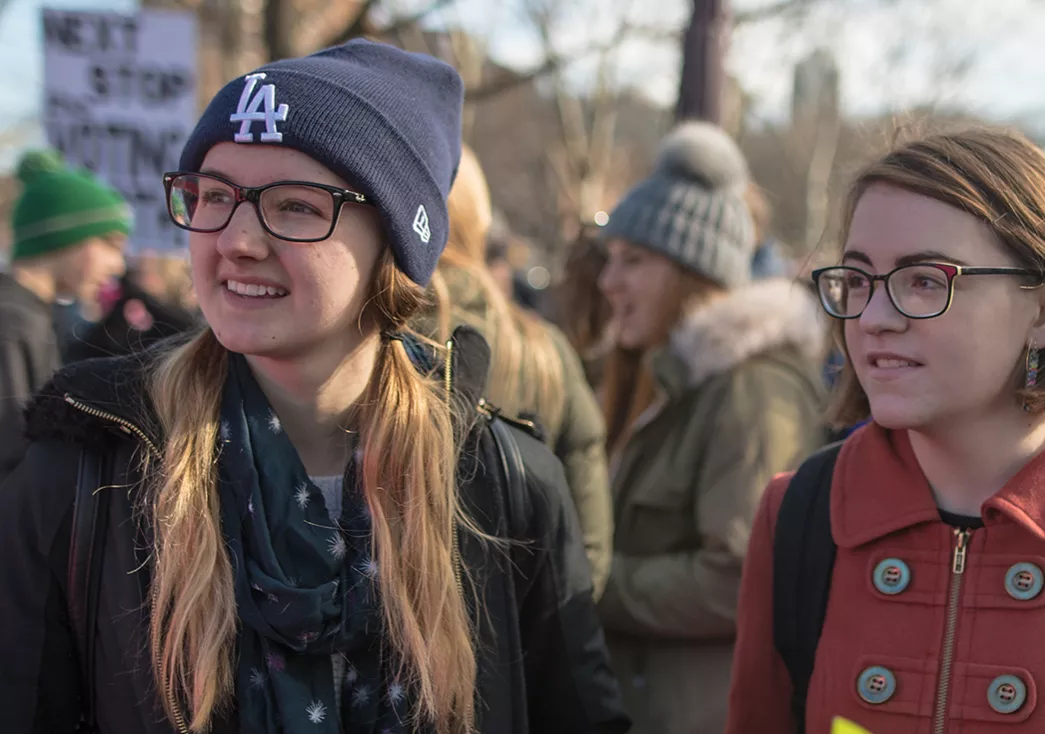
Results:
x,y
934,617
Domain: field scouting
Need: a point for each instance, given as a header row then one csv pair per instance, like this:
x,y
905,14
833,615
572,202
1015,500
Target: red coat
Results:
x,y
881,655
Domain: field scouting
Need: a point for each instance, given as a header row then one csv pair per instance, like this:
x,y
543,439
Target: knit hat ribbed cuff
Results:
x,y
707,232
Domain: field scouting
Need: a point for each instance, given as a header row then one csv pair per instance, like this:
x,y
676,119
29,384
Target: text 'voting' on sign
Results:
x,y
120,100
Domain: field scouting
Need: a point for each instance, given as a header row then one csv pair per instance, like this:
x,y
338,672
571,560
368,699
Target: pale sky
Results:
x,y
891,54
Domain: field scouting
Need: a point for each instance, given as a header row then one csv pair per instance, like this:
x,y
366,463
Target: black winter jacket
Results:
x,y
114,335
542,659
28,357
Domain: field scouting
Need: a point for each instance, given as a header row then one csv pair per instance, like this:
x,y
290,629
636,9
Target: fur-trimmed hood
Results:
x,y
757,318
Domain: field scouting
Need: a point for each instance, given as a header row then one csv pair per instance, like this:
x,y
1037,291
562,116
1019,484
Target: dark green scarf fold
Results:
x,y
306,587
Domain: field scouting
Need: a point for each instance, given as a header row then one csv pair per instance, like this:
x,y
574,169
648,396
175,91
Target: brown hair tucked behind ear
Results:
x,y
996,175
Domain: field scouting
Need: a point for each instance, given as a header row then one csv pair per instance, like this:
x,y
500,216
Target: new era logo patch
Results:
x,y
261,107
421,224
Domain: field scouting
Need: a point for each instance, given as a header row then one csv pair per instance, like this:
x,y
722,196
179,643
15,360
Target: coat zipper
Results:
x,y
492,411
448,365
125,425
946,662
168,692
128,427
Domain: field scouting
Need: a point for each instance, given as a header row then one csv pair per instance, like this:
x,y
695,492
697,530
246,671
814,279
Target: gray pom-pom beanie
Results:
x,y
692,208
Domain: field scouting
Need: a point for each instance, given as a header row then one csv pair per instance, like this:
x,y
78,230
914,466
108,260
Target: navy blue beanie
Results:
x,y
386,120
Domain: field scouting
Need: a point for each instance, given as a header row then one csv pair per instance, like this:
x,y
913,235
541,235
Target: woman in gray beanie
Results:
x,y
711,390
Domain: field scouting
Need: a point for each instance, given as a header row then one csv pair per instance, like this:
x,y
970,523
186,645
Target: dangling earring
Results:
x,y
1032,370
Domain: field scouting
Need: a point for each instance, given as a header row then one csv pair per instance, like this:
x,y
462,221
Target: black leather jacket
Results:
x,y
542,662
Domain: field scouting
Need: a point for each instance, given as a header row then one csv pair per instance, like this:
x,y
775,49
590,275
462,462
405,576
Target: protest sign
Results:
x,y
120,100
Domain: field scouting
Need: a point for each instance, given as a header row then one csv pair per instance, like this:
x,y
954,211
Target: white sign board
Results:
x,y
120,100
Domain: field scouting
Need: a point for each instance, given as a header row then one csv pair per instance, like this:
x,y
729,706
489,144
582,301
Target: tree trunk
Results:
x,y
279,29
703,56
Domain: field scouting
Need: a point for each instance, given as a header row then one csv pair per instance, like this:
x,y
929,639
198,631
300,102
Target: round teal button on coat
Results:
x,y
1007,694
1024,581
892,576
876,685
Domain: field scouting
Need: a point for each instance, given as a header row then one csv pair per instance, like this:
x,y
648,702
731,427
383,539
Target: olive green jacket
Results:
x,y
740,400
578,438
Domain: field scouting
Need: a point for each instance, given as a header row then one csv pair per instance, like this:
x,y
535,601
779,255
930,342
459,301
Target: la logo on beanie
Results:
x,y
261,107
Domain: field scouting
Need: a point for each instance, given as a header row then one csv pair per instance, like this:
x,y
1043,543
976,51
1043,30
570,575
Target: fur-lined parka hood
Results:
x,y
761,317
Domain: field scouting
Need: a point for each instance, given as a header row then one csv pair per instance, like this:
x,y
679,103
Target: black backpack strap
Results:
x,y
513,469
86,546
803,558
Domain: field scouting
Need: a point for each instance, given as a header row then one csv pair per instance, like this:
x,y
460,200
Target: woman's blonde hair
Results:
x,y
520,342
996,175
408,479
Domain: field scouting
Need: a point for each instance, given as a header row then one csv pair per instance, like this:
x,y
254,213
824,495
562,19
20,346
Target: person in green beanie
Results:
x,y
69,235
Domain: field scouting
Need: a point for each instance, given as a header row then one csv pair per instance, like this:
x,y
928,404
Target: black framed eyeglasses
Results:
x,y
921,291
296,211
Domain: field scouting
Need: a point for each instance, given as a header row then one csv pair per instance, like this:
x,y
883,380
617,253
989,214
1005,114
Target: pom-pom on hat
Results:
x,y
36,162
385,120
60,207
692,208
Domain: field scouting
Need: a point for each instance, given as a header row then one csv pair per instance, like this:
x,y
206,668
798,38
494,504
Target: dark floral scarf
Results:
x,y
305,586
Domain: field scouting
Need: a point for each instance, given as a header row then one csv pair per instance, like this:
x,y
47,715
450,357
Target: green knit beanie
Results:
x,y
60,207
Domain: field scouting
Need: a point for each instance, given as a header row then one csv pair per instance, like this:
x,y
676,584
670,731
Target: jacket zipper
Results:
x,y
125,425
946,661
448,365
128,427
168,692
492,411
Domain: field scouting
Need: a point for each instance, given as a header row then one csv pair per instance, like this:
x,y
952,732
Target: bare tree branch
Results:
x,y
361,25
411,38
603,134
508,80
581,154
569,109
318,17
775,10
407,21
358,27
553,62
564,185
469,58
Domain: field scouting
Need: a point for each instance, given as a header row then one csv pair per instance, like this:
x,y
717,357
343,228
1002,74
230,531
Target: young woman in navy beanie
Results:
x,y
299,520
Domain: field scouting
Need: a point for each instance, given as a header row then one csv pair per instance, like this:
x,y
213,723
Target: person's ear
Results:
x,y
1037,330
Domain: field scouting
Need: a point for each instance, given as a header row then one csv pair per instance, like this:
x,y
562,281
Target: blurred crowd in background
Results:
x,y
568,166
